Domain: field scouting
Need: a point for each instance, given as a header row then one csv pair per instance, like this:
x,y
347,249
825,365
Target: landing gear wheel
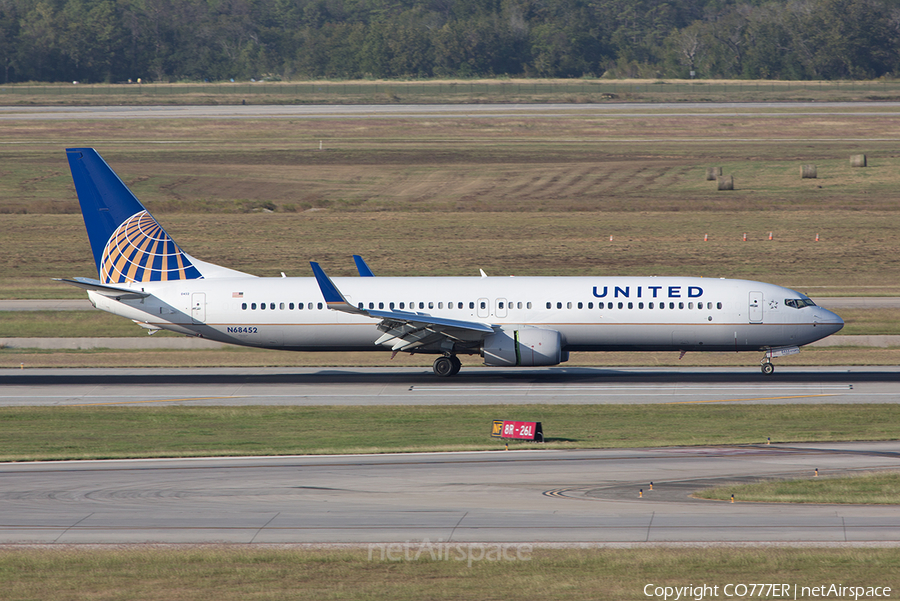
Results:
x,y
443,366
457,364
767,368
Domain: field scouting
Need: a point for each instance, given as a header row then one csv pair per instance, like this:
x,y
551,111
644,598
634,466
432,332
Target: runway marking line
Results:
x,y
771,398
209,398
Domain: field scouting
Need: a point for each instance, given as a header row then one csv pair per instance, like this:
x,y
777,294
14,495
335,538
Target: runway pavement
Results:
x,y
415,499
419,386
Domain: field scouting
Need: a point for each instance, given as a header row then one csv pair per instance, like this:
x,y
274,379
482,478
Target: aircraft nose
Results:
x,y
833,321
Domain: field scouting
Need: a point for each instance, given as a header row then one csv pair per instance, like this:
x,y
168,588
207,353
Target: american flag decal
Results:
x,y
237,295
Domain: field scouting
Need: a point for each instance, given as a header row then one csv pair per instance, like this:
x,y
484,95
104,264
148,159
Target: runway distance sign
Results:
x,y
517,430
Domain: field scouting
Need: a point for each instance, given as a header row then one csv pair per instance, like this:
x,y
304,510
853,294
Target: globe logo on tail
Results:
x,y
140,250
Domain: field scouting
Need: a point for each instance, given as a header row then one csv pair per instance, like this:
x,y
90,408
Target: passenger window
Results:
x,y
402,305
244,306
471,305
590,305
440,305
649,305
391,305
272,306
460,306
371,305
681,305
640,305
320,306
309,306
559,305
421,305
360,305
548,305
500,304
281,306
262,306
253,306
671,305
630,305
300,306
381,305
718,305
528,305
621,305
483,305
690,305
581,305
568,305
291,306
431,304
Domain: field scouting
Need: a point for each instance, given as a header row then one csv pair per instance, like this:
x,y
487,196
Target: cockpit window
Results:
x,y
798,303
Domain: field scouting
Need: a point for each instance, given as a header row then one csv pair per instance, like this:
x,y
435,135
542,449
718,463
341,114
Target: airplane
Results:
x,y
508,321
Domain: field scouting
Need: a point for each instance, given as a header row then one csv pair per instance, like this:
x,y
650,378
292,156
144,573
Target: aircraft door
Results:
x,y
483,307
756,307
198,307
500,310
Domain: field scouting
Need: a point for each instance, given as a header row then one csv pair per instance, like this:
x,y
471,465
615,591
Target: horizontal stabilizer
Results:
x,y
104,289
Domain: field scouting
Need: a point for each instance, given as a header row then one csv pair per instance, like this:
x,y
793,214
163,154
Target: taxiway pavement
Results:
x,y
441,498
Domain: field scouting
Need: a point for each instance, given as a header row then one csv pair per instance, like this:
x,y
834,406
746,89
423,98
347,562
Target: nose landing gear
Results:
x,y
446,366
766,364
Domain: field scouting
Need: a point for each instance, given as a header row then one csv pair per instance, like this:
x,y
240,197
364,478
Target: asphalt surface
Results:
x,y
454,498
419,386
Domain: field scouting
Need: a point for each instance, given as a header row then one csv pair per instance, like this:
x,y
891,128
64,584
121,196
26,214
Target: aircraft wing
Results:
x,y
403,331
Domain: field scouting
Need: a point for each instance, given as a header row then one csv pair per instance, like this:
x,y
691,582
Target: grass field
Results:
x,y
138,430
223,573
878,488
447,196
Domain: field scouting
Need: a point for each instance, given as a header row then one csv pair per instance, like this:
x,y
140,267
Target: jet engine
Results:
x,y
527,347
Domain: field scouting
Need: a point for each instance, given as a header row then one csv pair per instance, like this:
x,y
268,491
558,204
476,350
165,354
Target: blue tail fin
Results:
x,y
128,243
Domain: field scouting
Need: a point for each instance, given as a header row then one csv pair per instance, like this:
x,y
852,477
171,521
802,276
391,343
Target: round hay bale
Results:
x,y
712,173
726,182
857,160
808,172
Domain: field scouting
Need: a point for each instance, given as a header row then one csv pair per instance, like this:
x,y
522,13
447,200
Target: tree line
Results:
x,y
215,40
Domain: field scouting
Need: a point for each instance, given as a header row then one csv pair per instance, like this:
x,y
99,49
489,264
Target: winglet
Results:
x,y
362,268
333,297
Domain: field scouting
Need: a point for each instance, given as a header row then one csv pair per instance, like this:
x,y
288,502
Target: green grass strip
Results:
x,y
875,488
241,573
91,432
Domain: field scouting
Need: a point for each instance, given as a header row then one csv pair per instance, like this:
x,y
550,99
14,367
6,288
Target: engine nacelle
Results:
x,y
527,347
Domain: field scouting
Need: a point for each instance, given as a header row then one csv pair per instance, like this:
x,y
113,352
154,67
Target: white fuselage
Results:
x,y
590,313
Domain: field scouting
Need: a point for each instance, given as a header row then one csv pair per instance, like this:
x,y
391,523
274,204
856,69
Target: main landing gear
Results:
x,y
447,365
